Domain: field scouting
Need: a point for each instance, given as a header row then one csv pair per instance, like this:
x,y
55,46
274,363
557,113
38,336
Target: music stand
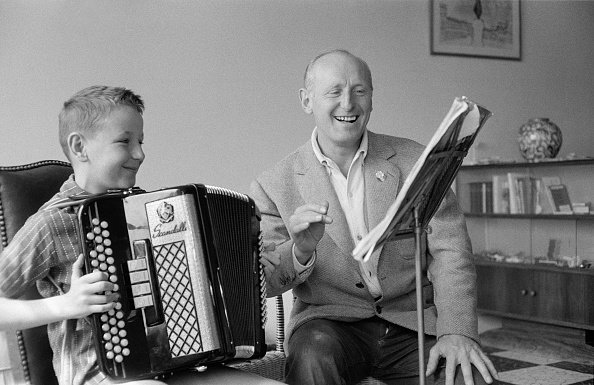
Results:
x,y
421,197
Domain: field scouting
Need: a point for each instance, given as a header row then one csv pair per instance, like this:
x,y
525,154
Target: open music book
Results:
x,y
431,176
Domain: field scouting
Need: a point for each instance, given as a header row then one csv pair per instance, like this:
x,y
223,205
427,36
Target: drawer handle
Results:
x,y
524,292
532,293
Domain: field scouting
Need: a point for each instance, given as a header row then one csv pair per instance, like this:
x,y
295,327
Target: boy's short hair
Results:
x,y
85,111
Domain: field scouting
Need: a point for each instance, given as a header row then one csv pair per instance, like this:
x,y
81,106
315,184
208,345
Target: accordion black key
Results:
x,y
185,263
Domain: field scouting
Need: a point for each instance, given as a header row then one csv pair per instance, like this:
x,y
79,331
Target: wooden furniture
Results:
x,y
553,295
528,262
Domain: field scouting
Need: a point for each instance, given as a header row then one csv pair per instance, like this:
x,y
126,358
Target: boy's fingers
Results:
x,y
95,276
102,308
77,267
100,286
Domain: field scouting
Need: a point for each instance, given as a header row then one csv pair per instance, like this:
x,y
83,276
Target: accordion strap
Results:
x,y
76,199
72,200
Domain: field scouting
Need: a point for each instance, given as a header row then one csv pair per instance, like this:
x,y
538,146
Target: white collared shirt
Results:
x,y
350,191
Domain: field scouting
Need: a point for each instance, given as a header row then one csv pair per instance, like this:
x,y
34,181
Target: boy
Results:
x,y
101,133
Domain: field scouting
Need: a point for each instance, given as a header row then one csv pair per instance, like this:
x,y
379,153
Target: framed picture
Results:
x,y
480,28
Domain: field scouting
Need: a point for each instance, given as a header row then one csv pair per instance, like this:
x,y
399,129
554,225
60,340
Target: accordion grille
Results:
x,y
182,324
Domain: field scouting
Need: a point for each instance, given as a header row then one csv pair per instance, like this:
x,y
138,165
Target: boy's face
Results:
x,y
114,152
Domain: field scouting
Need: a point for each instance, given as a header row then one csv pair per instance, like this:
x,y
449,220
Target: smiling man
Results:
x,y
355,319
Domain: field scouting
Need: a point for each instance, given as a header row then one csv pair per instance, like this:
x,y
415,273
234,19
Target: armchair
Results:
x,y
23,189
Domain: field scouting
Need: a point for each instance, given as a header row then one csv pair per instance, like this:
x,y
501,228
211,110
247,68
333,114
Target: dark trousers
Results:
x,y
333,352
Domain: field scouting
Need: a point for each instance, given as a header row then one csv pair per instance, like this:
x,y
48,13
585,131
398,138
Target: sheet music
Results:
x,y
469,126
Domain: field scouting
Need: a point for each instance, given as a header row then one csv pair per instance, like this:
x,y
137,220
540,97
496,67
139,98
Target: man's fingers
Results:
x,y
272,258
310,217
484,366
266,262
432,362
316,208
450,371
467,372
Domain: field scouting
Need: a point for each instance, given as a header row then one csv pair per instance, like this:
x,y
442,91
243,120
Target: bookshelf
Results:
x,y
535,260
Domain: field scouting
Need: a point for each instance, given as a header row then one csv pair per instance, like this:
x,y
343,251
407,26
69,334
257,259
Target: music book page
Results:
x,y
469,126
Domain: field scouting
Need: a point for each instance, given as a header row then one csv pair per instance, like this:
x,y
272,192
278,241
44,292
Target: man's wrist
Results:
x,y
301,257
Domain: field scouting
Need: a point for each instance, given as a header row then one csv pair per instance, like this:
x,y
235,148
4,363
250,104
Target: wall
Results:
x,y
220,77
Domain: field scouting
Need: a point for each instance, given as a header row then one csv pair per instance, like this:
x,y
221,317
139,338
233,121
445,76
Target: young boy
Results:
x,y
101,133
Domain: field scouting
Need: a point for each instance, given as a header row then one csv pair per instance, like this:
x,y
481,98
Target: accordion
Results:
x,y
185,263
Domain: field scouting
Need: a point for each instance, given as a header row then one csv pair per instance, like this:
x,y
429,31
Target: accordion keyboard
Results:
x,y
113,325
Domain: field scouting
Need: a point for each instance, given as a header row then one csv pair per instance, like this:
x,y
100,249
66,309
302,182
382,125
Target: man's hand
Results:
x,y
463,351
306,227
269,258
83,299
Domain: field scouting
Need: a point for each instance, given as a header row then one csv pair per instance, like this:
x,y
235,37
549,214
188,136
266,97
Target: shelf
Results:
x,y
480,261
550,293
579,217
552,163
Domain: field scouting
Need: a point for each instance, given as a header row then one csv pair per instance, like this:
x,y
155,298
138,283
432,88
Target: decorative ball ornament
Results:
x,y
539,139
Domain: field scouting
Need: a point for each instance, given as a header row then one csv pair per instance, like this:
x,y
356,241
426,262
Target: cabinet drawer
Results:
x,y
552,296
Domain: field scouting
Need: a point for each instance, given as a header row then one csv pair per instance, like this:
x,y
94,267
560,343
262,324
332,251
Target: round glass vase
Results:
x,y
539,139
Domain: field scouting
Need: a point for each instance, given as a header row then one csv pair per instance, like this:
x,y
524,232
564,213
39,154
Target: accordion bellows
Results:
x,y
185,261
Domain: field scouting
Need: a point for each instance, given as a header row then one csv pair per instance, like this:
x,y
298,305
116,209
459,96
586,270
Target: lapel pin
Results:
x,y
380,176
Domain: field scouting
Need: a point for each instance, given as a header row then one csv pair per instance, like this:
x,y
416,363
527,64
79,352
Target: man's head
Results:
x,y
101,133
338,93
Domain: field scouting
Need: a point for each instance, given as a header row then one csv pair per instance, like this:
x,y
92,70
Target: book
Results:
x,y
561,201
548,205
500,194
516,189
487,190
476,197
430,178
481,197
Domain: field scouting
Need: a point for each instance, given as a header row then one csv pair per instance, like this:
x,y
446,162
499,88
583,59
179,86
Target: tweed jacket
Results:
x,y
333,288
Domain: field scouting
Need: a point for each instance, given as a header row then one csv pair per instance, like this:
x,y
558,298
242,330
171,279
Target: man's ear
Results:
x,y
305,98
76,146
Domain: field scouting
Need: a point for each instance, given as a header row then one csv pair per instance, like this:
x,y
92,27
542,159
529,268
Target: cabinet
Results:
x,y
539,293
528,260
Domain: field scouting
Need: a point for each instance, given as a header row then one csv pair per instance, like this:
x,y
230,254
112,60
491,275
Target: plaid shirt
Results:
x,y
43,252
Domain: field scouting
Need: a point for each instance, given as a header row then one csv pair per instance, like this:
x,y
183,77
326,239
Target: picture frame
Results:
x,y
476,28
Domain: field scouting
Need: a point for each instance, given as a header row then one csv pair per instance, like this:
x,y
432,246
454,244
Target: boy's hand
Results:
x,y
83,299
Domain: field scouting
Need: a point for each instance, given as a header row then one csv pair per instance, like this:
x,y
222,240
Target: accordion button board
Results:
x,y
185,264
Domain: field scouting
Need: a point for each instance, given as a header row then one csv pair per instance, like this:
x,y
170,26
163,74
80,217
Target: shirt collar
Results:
x,y
323,159
70,187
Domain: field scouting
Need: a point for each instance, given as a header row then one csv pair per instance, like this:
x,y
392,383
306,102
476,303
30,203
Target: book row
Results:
x,y
517,193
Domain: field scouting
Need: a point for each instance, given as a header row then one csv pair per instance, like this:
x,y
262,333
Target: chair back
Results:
x,y
23,190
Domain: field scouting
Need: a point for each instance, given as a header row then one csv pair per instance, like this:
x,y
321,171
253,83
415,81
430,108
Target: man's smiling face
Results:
x,y
339,99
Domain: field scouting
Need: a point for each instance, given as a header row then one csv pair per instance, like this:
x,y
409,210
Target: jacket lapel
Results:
x,y
381,180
